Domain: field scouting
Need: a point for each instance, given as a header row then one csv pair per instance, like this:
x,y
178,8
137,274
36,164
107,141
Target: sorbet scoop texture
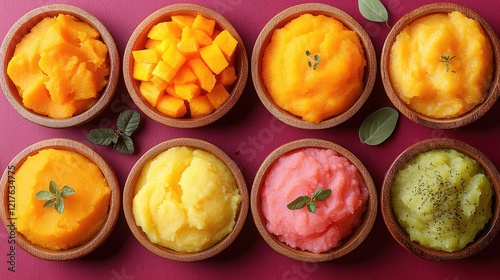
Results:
x,y
84,212
300,173
186,200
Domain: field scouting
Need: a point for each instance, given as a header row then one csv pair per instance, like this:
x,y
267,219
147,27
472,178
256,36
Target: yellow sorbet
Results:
x,y
442,199
314,94
441,65
84,212
59,67
186,200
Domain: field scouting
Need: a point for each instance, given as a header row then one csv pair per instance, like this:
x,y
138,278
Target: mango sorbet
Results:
x,y
314,92
84,212
186,200
441,65
59,67
300,173
442,199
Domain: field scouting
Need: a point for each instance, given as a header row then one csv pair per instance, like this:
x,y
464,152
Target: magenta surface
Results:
x,y
247,134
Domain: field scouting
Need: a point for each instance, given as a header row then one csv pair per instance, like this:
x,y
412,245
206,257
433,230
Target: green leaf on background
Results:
x,y
378,126
373,10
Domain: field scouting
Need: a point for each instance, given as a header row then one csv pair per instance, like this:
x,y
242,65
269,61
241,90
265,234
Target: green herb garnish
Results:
x,y
127,123
303,201
313,61
373,10
447,60
378,126
54,197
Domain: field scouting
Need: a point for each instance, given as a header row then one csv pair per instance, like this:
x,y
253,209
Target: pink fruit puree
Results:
x,y
300,173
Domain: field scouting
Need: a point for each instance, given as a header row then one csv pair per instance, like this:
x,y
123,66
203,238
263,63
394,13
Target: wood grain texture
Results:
x,y
482,239
137,41
348,244
130,190
280,20
467,118
113,209
21,28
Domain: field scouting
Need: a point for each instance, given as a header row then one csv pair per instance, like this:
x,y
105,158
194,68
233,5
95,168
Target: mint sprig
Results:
x,y
313,61
54,197
310,202
127,123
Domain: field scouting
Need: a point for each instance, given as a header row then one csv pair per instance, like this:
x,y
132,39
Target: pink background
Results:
x,y
247,134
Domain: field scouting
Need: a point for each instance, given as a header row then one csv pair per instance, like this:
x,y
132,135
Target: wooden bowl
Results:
x,y
137,41
130,190
349,243
7,186
424,120
23,27
280,20
483,238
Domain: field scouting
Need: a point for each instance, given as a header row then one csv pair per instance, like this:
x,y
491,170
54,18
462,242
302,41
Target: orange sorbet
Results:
x,y
84,212
300,173
60,67
313,67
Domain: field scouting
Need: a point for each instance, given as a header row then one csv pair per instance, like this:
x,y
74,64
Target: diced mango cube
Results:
x,y
205,76
183,20
200,106
188,47
159,82
146,56
227,43
218,96
200,36
185,76
228,76
151,44
173,58
150,92
163,71
214,58
171,106
171,90
187,91
143,71
163,46
202,23
164,30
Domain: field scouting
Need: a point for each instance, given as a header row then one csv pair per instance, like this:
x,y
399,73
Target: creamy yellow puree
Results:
x,y
186,200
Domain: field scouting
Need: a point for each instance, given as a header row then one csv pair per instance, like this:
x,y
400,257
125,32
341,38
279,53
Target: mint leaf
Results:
x,y
320,194
303,201
128,122
125,145
102,136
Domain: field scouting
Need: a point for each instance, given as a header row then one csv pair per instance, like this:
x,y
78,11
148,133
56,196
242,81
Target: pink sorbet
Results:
x,y
300,173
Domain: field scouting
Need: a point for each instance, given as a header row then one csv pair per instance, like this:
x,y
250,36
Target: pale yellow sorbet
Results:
x,y
442,199
441,65
186,200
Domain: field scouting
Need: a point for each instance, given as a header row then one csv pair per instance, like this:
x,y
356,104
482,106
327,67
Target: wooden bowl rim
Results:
x,y
113,208
278,21
348,244
163,14
484,237
22,27
129,191
467,118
